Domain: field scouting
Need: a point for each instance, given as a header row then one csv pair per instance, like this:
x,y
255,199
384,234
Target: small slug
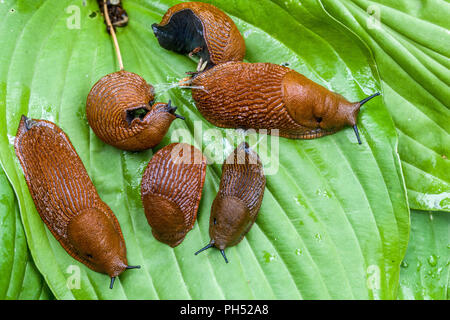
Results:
x,y
202,29
238,200
119,110
171,189
269,96
66,199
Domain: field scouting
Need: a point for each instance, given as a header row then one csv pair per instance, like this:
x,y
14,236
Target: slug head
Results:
x,y
228,223
202,29
317,108
182,32
152,123
166,219
97,242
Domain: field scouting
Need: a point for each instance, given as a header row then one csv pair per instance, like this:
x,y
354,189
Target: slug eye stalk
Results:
x,y
171,109
368,98
210,246
223,255
204,248
355,127
133,267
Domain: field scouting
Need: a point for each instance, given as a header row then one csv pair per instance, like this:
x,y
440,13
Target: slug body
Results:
x,y
119,110
270,96
238,200
171,190
66,199
203,29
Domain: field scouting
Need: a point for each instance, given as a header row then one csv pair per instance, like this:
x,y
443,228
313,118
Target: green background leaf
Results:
x,y
20,279
411,46
334,221
425,272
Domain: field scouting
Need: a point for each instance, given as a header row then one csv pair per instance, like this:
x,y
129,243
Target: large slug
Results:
x,y
67,200
270,96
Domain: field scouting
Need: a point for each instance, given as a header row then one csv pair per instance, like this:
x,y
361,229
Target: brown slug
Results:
x,y
238,200
269,96
202,29
171,189
121,112
67,200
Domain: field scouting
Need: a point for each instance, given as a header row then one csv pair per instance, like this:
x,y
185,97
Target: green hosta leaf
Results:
x,y
411,45
19,277
425,272
334,221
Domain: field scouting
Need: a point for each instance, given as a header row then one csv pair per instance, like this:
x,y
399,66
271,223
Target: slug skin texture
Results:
x,y
239,198
269,96
121,112
201,28
171,190
66,199
236,206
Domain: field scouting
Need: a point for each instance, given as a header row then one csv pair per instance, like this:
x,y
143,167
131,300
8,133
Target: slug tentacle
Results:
x,y
66,199
224,256
210,245
201,29
355,128
355,114
111,285
368,98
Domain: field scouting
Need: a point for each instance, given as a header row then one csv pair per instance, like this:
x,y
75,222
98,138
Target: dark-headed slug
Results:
x,y
202,29
269,96
238,200
66,199
121,112
171,189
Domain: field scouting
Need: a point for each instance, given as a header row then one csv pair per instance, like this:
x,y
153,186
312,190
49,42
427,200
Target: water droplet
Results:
x,y
247,33
11,139
432,260
318,237
323,193
268,257
299,252
299,201
404,264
